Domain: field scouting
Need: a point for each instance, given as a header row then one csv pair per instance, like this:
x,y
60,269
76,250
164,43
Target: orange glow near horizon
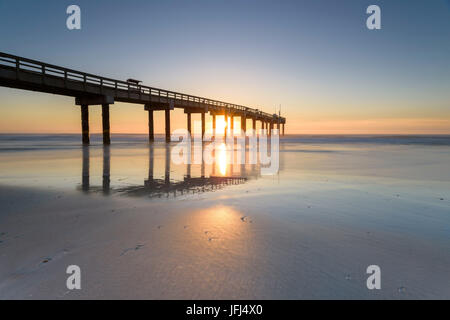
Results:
x,y
32,112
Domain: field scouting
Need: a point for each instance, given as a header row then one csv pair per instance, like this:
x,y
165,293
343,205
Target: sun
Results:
x,y
220,124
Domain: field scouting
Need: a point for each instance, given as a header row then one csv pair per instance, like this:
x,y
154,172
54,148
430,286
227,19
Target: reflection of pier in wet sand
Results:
x,y
157,187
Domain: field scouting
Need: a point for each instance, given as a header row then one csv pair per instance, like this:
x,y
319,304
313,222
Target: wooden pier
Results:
x,y
88,89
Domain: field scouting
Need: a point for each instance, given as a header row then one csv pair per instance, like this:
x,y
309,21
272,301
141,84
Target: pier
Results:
x,y
93,90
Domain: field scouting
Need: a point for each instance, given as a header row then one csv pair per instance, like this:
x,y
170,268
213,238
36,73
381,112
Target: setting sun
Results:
x,y
221,124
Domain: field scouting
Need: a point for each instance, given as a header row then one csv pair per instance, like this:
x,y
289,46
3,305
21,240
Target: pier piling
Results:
x,y
85,123
151,129
203,124
189,124
167,113
243,123
105,123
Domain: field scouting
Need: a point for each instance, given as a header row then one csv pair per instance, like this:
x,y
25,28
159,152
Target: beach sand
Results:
x,y
309,232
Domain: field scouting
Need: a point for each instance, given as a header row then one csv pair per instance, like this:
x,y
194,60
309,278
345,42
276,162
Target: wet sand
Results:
x,y
308,232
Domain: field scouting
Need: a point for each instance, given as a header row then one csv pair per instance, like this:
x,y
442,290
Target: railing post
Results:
x,y
43,74
17,68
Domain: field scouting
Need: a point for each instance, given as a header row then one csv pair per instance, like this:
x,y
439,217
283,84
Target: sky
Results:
x,y
315,58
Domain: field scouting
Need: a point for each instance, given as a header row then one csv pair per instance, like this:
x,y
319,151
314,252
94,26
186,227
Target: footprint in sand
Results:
x,y
348,277
246,219
159,227
401,289
139,246
55,256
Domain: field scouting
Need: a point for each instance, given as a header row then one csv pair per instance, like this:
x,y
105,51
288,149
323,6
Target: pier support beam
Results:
x,y
244,123
105,123
85,102
214,124
226,123
254,123
189,124
283,129
151,129
167,114
203,125
85,123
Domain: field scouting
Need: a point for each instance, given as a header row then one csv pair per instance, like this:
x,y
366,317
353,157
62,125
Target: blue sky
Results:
x,y
316,58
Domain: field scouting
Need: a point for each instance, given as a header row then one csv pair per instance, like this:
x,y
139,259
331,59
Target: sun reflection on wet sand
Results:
x,y
222,159
223,226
